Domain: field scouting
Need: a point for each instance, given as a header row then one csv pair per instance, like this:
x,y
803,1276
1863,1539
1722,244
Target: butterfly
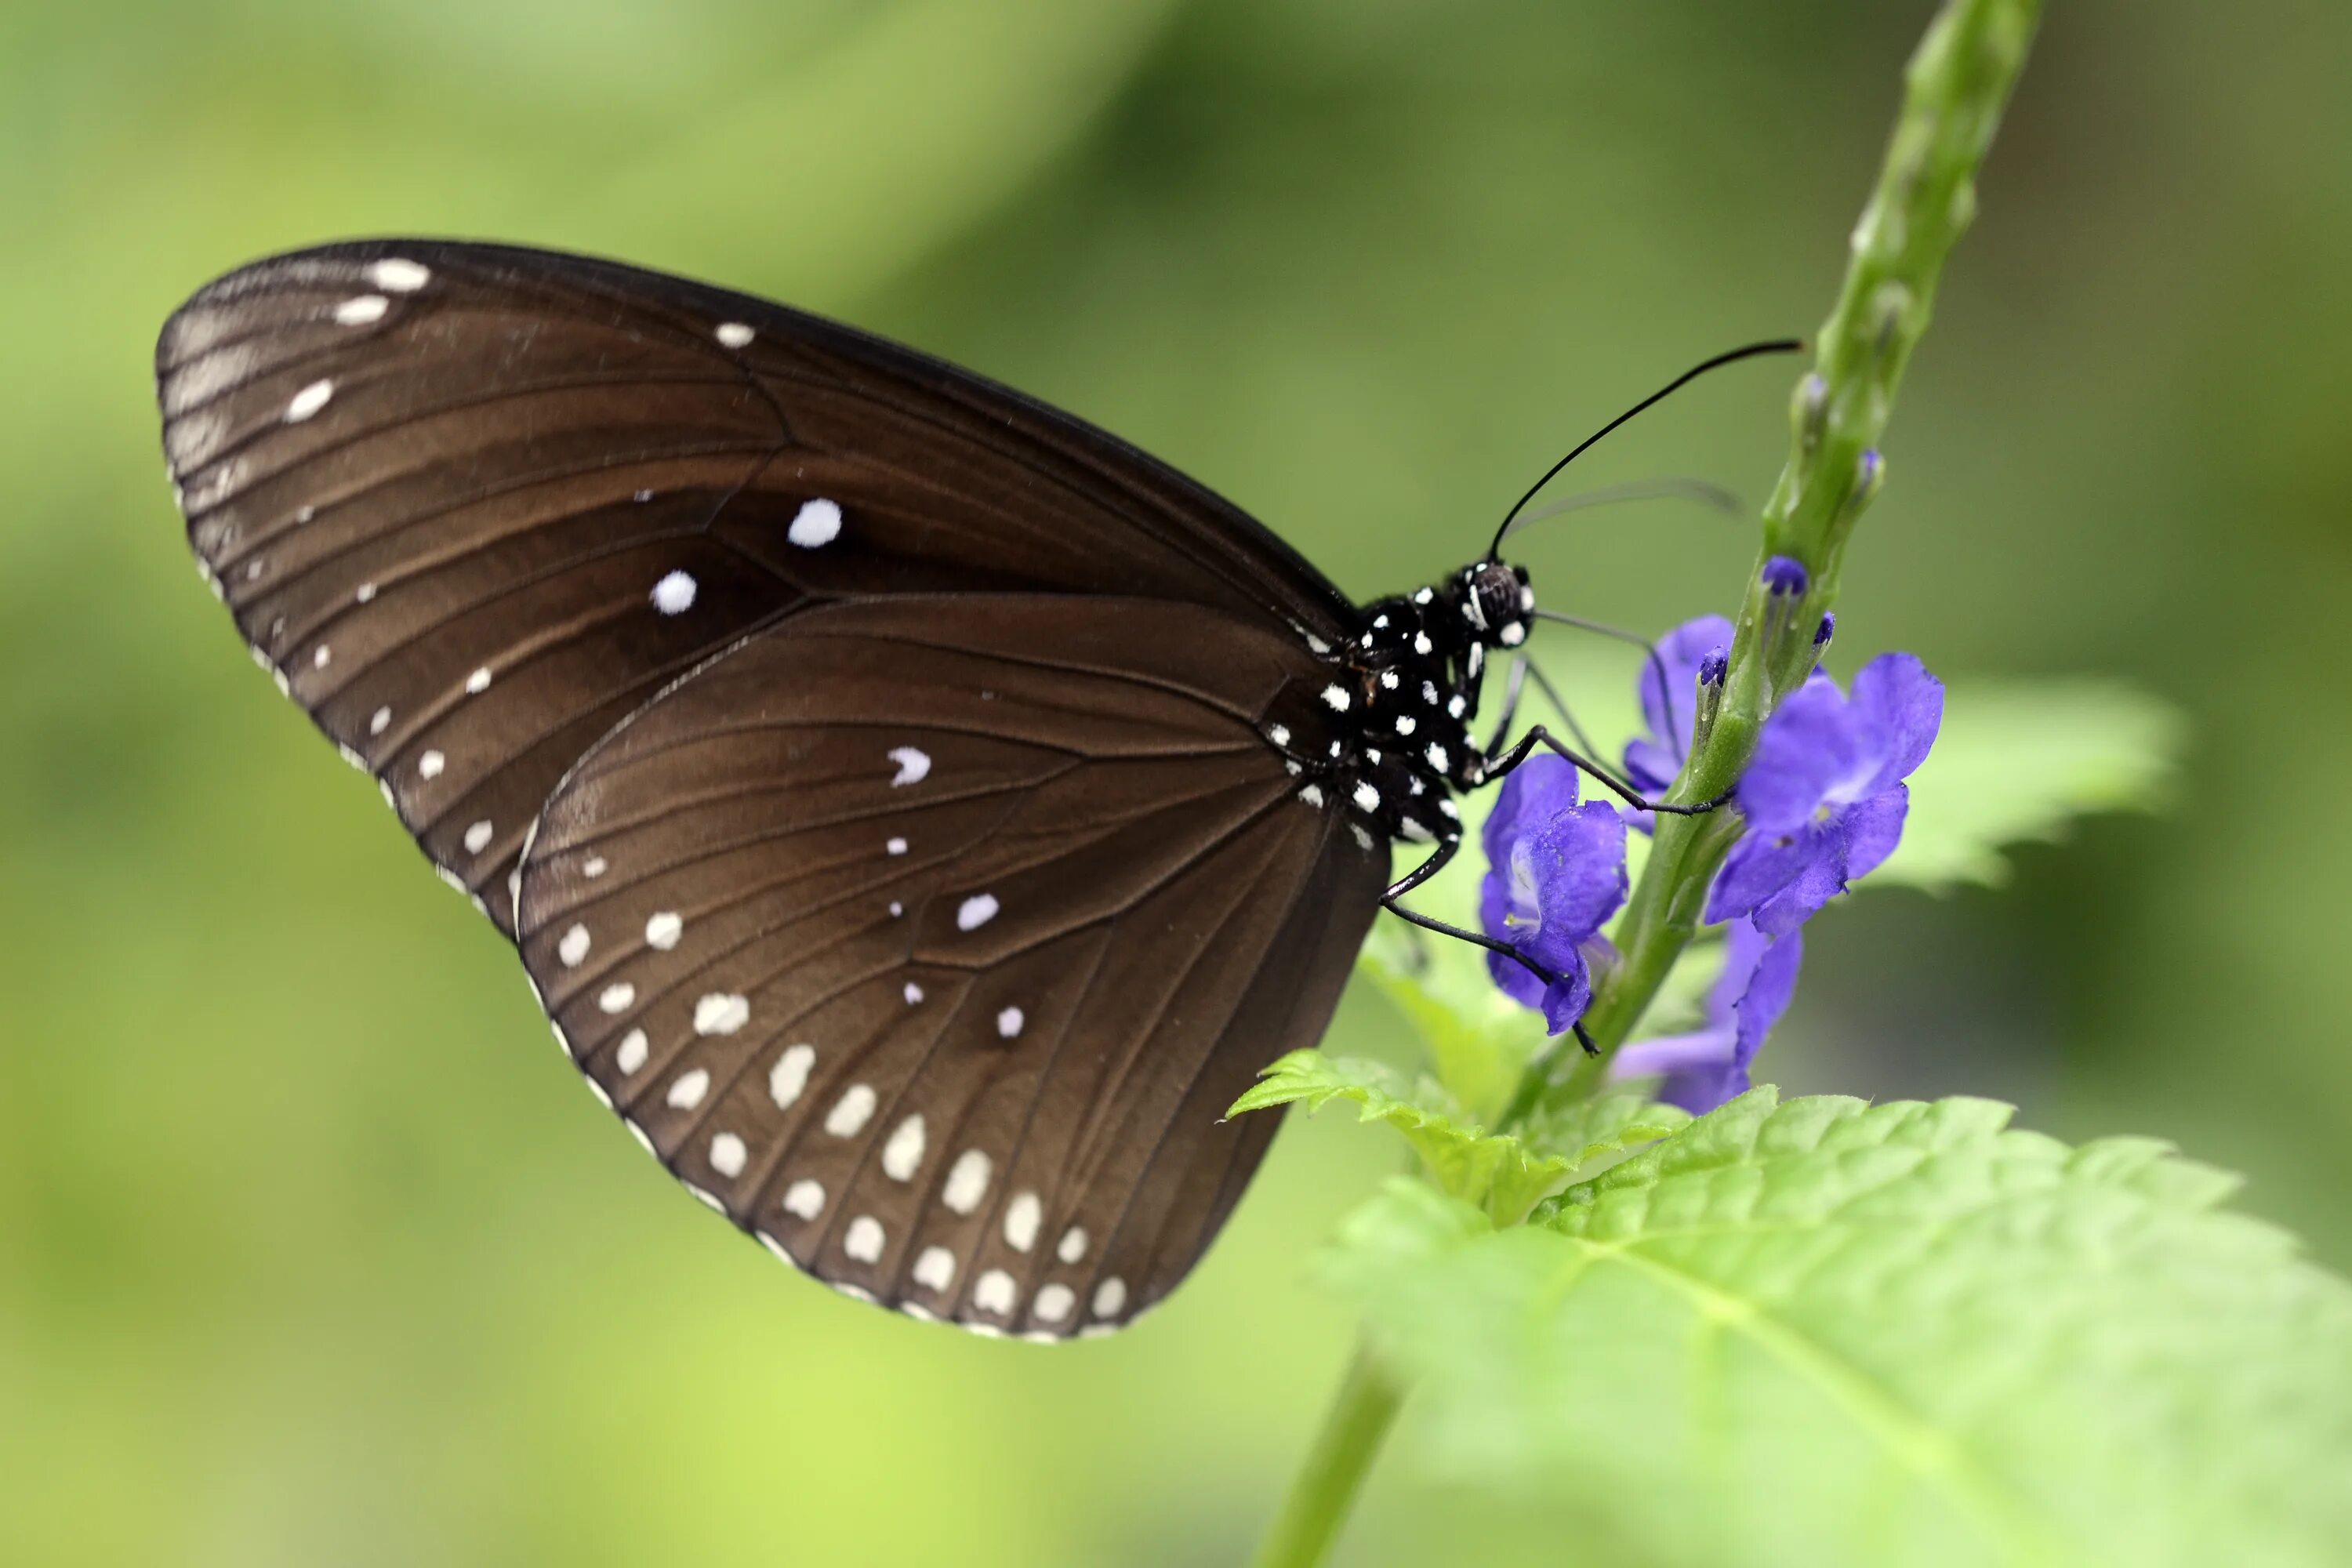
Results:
x,y
919,813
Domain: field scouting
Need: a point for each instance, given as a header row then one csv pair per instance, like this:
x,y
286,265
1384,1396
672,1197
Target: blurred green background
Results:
x,y
311,1251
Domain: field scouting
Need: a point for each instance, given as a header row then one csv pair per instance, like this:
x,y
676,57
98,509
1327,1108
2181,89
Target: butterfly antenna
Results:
x,y
1776,346
1670,487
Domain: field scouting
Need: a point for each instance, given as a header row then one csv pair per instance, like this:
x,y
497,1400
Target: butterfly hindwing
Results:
x,y
930,938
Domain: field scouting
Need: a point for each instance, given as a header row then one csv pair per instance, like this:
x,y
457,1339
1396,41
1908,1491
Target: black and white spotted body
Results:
x,y
1388,739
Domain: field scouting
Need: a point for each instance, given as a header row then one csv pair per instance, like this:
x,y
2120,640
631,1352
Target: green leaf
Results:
x,y
1830,1333
1502,1173
1610,1124
2016,761
1496,1170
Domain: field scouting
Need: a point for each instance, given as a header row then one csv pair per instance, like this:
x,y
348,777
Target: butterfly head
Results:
x,y
1495,602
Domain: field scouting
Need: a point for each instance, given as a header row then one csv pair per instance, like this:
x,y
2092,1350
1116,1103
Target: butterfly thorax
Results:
x,y
1387,739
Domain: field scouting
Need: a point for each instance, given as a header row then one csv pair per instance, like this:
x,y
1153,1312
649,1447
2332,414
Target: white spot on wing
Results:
x,y
366,592
632,1053
399,275
1110,1296
594,867
308,401
674,594
430,765
720,1013
935,1269
478,682
726,1154
1054,1303
1367,797
380,720
994,1292
734,334
361,308
1023,1216
320,659
851,1111
790,1076
896,846
1336,697
1311,793
804,1198
664,930
1073,1246
863,1240
976,912
914,766
1009,1022
902,1156
685,1092
616,996
967,1181
477,836
817,522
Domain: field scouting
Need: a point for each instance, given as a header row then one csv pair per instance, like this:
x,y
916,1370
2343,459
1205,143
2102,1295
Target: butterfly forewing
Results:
x,y
930,938
475,505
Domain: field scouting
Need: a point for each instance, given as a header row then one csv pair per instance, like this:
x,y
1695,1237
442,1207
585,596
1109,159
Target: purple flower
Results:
x,y
1824,795
1671,708
1556,871
1709,1065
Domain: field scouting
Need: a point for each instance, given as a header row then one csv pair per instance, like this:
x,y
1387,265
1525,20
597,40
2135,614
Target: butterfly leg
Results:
x,y
1498,766
1523,669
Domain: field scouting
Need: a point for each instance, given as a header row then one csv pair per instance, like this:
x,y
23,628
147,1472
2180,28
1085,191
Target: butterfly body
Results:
x,y
919,813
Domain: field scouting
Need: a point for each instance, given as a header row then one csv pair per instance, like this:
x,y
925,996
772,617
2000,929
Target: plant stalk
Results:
x,y
1958,82
1326,1486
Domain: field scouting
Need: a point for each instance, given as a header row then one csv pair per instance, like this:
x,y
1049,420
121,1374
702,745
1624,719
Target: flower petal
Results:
x,y
1511,977
1873,829
1772,982
1821,880
1575,863
1564,999
1814,743
1907,705
1538,790
1761,864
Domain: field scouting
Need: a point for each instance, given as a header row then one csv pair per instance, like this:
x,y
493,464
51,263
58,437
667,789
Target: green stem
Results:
x,y
1326,1485
1957,85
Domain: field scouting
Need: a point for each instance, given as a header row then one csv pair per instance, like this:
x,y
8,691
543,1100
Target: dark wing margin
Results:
x,y
474,505
930,940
